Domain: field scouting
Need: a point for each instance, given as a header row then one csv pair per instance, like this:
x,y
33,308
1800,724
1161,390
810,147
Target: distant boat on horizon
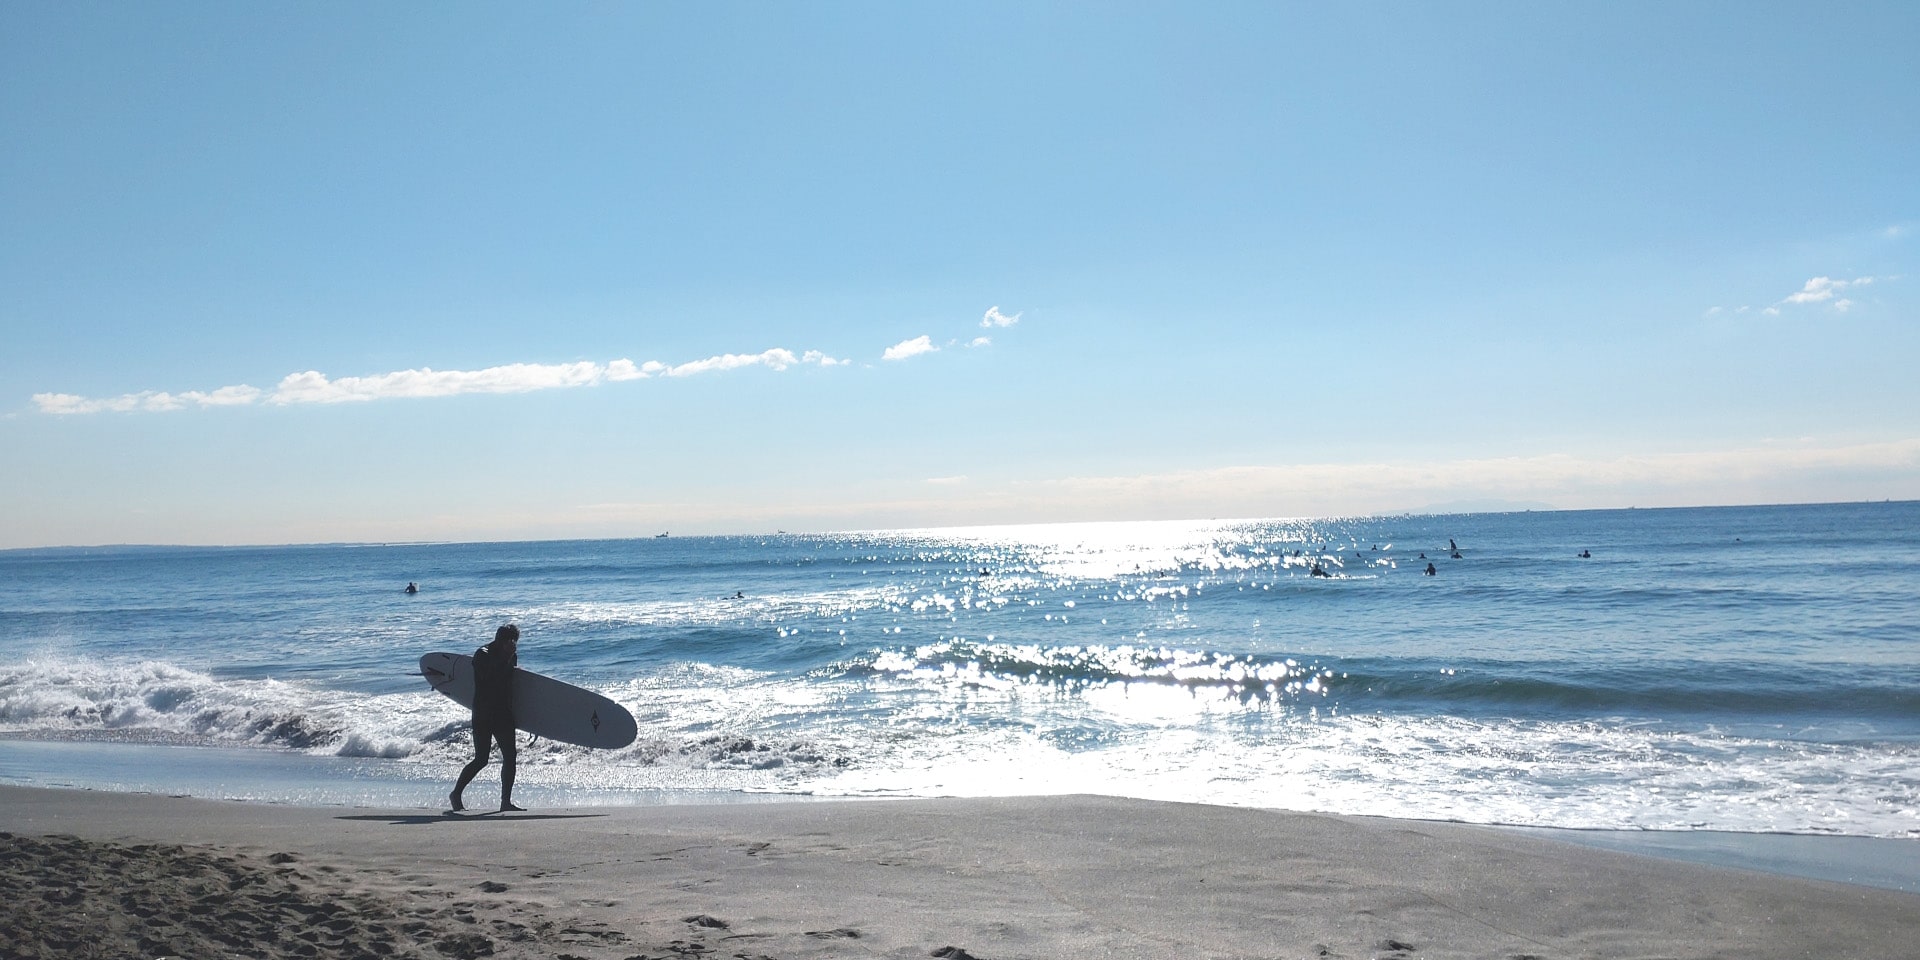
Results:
x,y
659,536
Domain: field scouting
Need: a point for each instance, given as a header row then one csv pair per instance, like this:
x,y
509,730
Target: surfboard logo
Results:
x,y
596,721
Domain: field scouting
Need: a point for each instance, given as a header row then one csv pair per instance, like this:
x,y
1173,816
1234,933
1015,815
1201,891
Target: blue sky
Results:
x,y
358,271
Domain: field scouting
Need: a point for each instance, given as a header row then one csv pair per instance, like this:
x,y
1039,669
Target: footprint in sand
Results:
x,y
837,933
465,946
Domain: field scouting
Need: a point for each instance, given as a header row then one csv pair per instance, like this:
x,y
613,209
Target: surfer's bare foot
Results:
x,y
454,799
506,805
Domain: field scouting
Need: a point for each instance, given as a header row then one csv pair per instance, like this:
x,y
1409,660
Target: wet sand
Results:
x,y
115,874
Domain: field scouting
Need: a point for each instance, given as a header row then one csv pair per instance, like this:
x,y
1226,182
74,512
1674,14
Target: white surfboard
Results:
x,y
542,705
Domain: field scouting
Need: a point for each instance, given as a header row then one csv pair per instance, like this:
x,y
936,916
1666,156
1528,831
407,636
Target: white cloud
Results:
x,y
1816,290
312,386
65,403
148,400
981,342
236,396
623,369
778,359
995,318
910,348
1821,289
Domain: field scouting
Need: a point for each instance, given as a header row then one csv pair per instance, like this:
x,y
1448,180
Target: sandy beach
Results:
x,y
120,875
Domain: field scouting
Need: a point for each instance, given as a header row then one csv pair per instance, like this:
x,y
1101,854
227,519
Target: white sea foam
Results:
x,y
79,698
717,611
700,721
1569,775
707,728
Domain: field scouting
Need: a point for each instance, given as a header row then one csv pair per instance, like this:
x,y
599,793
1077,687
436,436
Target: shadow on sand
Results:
x,y
417,819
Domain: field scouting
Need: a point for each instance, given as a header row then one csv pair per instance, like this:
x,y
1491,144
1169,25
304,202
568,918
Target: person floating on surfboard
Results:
x,y
493,720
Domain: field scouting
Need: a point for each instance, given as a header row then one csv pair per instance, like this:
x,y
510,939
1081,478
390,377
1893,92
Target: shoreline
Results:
x,y
984,878
1881,862
250,774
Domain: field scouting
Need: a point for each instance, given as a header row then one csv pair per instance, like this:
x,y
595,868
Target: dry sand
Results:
x,y
124,875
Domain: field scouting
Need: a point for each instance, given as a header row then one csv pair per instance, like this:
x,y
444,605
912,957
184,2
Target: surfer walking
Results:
x,y
493,720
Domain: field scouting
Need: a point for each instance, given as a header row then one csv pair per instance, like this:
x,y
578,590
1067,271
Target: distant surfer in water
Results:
x,y
412,587
493,714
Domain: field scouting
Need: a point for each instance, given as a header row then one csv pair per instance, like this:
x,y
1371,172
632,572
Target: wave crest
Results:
x,y
152,699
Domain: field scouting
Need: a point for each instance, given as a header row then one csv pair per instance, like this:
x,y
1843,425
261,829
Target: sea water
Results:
x,y
1744,669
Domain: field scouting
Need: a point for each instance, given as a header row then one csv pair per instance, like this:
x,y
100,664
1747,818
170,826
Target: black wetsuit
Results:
x,y
492,720
492,692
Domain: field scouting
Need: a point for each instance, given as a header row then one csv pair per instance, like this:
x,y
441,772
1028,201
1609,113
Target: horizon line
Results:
x,y
354,544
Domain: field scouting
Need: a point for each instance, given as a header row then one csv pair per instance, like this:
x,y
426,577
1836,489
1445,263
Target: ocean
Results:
x,y
1719,669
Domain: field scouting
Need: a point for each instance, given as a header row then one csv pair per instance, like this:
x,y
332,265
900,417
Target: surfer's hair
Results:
x,y
507,632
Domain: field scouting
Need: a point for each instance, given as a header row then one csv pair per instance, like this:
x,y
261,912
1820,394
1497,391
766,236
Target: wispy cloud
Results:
x,y
149,400
622,370
312,386
315,387
1822,289
776,359
1816,290
910,348
995,318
